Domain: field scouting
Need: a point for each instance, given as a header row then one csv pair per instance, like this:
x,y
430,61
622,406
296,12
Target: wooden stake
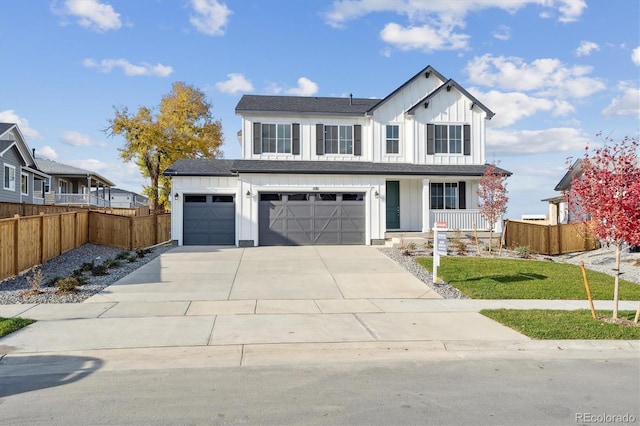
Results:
x,y
637,314
475,233
504,230
586,285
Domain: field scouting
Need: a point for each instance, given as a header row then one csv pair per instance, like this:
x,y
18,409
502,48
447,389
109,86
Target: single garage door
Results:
x,y
209,220
311,218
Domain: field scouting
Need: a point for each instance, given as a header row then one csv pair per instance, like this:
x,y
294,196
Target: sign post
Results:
x,y
440,246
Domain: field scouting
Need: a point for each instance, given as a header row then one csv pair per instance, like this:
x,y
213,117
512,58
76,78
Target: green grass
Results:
x,y
551,324
490,278
9,325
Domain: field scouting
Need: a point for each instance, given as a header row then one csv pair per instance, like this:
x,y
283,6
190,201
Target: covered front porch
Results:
x,y
415,205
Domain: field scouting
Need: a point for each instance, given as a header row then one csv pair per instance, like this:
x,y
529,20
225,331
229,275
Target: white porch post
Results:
x,y
425,205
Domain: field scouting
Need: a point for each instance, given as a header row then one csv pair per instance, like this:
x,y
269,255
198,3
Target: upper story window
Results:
x,y
393,139
47,185
9,177
276,138
24,184
338,139
448,139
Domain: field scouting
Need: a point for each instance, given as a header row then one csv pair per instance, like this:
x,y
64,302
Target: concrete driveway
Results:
x,y
239,299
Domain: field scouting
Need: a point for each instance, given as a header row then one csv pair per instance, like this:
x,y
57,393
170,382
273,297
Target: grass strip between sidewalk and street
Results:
x,y
9,325
493,278
549,324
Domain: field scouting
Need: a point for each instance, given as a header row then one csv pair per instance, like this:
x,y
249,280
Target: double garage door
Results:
x,y
311,218
284,219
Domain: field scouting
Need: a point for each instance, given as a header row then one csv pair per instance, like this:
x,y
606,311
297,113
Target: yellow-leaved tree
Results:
x,y
183,127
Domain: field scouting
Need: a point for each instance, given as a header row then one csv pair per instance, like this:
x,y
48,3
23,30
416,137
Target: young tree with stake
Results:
x,y
607,196
493,199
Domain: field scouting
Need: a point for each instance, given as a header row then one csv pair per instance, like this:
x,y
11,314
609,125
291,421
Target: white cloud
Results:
x,y
10,116
343,11
124,175
502,33
627,104
47,152
586,47
273,88
547,76
144,69
519,142
425,37
236,83
513,106
635,55
211,16
73,138
305,87
93,15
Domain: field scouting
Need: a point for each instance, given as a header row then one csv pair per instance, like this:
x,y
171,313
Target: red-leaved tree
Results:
x,y
492,196
607,196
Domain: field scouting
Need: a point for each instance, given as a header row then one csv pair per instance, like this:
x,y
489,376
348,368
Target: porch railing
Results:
x,y
81,199
463,220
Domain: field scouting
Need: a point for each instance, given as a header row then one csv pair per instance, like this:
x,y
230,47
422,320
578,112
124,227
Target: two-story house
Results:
x,y
22,181
318,170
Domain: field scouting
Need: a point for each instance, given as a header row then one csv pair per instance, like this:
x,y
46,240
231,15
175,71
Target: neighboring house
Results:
x,y
22,182
121,198
71,185
318,170
559,211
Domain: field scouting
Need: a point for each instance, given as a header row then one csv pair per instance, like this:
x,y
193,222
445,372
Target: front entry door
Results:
x,y
393,204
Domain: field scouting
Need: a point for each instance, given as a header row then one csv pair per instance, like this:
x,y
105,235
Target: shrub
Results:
x,y
123,255
81,279
112,263
87,266
99,270
52,281
67,285
523,252
35,282
141,253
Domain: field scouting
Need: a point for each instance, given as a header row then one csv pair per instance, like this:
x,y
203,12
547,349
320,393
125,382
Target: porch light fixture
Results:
x,y
176,196
248,194
375,194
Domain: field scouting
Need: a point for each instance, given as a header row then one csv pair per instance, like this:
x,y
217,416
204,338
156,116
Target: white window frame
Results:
x,y
26,184
46,185
287,143
387,139
66,183
448,141
344,141
9,177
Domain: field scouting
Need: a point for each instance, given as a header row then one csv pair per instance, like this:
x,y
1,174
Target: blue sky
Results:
x,y
555,72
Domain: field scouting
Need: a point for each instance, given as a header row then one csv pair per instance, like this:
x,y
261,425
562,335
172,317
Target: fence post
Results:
x,y
155,229
16,244
130,232
41,238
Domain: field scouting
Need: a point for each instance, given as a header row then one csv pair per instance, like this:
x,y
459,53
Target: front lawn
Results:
x,y
491,278
552,324
9,325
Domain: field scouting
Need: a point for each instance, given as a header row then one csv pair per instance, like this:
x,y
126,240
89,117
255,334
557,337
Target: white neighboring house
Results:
x,y
121,198
318,170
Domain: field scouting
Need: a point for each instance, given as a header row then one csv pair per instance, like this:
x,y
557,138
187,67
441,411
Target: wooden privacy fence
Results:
x,y
8,210
549,239
29,241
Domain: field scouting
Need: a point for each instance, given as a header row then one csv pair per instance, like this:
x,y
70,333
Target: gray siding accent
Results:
x,y
257,138
12,158
467,139
319,139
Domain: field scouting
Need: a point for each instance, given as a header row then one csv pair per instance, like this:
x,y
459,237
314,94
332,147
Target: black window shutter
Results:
x,y
431,144
295,149
257,140
467,139
319,139
462,195
357,139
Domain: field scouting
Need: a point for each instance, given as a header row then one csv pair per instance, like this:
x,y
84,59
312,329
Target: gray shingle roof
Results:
x,y
211,167
304,105
4,145
58,169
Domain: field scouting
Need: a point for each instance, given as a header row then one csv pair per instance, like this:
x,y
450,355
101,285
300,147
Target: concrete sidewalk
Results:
x,y
261,305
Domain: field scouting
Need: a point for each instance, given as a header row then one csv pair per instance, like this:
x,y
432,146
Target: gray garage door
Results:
x,y
311,218
209,220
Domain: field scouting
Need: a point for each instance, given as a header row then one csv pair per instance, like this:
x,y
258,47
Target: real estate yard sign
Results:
x,y
440,239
